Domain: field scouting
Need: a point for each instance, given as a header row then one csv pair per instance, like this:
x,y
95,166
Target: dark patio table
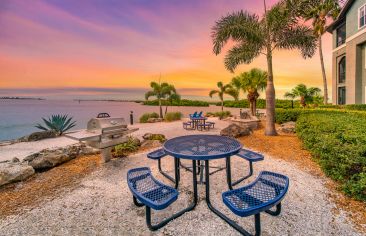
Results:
x,y
197,120
203,148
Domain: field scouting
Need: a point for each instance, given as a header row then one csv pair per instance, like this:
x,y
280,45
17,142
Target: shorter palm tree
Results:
x,y
290,96
223,89
306,95
160,91
171,96
236,87
252,82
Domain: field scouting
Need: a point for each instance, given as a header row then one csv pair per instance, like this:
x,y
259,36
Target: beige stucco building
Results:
x,y
349,49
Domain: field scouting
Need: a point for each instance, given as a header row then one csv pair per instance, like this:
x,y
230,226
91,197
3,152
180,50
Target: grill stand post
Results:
x,y
106,154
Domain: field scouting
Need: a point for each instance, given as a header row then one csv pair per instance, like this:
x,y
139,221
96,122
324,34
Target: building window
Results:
x,y
341,34
362,16
342,70
341,95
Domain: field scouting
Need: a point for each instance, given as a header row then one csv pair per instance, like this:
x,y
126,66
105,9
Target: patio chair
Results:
x,y
251,157
149,192
212,124
267,191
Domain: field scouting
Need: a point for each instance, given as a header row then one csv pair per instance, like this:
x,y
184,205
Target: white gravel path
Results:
x,y
102,205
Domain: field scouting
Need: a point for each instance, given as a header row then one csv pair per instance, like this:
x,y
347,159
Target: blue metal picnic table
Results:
x,y
202,148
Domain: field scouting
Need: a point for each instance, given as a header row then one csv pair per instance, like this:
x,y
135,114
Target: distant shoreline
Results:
x,y
20,98
106,100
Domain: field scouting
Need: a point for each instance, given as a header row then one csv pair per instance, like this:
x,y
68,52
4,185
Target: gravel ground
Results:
x,y
102,205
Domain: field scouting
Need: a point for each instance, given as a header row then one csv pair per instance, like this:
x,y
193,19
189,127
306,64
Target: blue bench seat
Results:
x,y
250,155
149,191
267,191
157,154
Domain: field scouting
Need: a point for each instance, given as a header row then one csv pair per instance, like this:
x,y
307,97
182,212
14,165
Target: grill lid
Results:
x,y
106,123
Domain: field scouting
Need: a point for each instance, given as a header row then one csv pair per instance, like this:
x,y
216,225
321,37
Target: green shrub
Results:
x,y
146,116
357,107
330,106
124,149
172,116
285,115
220,114
338,141
182,102
261,103
159,137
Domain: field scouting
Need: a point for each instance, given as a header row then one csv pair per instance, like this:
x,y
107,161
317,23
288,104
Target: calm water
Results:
x,y
18,117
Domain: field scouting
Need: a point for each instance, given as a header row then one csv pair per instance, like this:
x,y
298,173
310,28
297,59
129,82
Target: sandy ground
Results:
x,y
24,149
101,204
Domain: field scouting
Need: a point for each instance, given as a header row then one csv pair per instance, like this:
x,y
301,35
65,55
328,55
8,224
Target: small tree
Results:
x,y
290,96
307,95
236,87
171,96
251,82
160,91
223,89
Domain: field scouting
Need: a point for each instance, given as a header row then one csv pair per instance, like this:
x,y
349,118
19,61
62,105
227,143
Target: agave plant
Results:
x,y
58,123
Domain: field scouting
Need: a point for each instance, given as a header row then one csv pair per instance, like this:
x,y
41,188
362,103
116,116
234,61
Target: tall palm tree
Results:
x,y
160,91
307,95
278,29
319,12
251,82
223,89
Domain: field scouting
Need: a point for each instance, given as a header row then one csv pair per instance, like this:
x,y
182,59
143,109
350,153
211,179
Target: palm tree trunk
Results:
x,y
270,129
166,109
254,107
160,109
222,104
323,70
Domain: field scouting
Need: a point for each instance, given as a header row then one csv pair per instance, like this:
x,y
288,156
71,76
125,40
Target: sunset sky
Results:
x,y
113,49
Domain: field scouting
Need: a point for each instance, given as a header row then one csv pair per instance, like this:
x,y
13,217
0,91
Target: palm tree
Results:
x,y
278,29
307,95
290,96
223,89
160,91
171,96
251,82
319,11
236,86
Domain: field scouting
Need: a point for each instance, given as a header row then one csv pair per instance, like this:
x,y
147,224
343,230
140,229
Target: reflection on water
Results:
x,y
18,117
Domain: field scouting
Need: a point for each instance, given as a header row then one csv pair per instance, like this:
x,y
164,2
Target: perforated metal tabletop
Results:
x,y
202,147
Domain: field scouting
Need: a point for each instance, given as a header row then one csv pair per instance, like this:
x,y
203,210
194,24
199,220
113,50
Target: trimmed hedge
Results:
x,y
172,116
337,139
354,107
183,102
261,103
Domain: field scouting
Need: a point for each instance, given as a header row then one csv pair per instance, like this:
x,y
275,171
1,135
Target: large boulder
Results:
x,y
234,130
288,127
51,158
39,136
14,171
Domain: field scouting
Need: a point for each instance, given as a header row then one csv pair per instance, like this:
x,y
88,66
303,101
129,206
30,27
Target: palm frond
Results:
x,y
213,92
240,26
244,53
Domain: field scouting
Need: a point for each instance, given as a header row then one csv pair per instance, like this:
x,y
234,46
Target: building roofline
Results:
x,y
341,16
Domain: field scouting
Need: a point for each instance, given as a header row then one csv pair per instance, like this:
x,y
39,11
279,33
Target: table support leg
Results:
x,y
178,214
221,215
